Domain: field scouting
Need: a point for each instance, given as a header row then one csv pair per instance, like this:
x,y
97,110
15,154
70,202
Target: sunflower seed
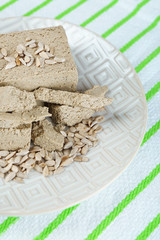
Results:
x,y
71,134
27,59
46,47
38,63
43,55
1,56
45,171
95,143
22,152
31,155
59,170
29,43
42,152
24,158
22,175
99,118
10,65
42,61
78,159
42,164
36,149
17,159
9,59
51,168
33,45
86,141
73,129
84,150
4,52
50,163
98,129
50,62
18,63
10,176
18,180
14,169
77,135
20,49
10,155
68,145
50,55
3,163
63,133
74,151
52,50
59,60
22,61
91,138
85,159
64,158
40,49
4,153
67,162
38,168
66,151
38,157
31,62
1,175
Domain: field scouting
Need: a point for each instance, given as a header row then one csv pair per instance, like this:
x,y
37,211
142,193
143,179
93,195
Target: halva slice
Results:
x,y
69,115
14,100
10,120
71,98
36,65
15,138
45,136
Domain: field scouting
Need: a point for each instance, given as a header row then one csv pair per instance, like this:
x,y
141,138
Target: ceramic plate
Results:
x,y
99,63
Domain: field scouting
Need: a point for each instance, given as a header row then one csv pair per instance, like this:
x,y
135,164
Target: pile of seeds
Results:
x,y
45,55
15,165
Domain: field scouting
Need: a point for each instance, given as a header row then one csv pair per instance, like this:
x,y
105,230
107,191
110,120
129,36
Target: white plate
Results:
x,y
98,62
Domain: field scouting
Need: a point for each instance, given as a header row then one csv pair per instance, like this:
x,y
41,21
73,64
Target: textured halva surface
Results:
x,y
69,115
10,120
71,98
15,100
58,76
15,138
44,135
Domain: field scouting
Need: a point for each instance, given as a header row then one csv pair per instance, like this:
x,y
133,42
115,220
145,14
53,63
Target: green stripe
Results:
x,y
124,20
70,9
147,60
56,222
7,223
43,4
153,91
99,13
7,4
150,228
123,204
151,132
140,35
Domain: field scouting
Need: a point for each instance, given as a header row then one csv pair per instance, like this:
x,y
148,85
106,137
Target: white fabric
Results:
x,y
137,215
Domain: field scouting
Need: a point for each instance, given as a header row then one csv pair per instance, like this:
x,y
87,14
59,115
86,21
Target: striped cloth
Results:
x,y
130,207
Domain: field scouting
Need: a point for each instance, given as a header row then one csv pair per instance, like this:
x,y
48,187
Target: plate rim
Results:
x,y
43,211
